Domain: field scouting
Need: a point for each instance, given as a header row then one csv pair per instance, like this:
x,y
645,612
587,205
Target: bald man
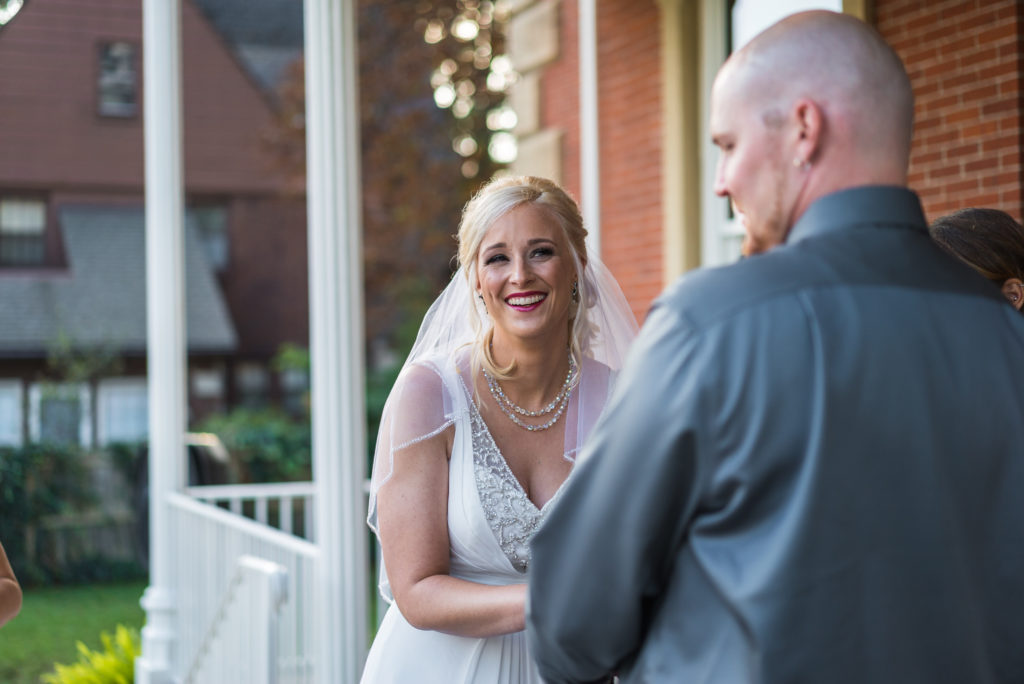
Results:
x,y
811,468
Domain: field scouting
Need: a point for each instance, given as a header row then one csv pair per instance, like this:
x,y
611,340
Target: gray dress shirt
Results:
x,y
811,470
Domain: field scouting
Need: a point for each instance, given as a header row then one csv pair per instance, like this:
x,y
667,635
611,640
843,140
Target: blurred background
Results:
x,y
608,97
73,389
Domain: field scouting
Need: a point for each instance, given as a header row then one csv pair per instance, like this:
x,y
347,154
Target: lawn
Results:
x,y
52,619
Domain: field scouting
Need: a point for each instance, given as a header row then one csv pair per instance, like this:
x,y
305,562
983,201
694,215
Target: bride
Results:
x,y
512,365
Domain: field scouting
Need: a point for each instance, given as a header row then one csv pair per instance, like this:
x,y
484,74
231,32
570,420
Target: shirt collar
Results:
x,y
888,205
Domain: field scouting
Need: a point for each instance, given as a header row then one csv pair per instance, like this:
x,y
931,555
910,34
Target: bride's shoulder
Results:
x,y
429,377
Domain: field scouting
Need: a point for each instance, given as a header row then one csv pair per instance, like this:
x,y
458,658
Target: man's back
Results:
x,y
876,520
848,409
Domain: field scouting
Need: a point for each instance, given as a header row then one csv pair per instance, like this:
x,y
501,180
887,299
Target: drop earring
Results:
x,y
575,291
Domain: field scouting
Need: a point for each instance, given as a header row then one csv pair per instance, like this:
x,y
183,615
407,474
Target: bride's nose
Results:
x,y
521,271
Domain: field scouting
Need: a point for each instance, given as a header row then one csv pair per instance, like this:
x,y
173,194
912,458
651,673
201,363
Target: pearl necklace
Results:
x,y
510,409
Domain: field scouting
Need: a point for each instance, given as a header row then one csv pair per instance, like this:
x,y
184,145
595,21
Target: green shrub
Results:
x,y
268,444
36,481
114,664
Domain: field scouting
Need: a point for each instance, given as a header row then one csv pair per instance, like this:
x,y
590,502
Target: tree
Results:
x,y
427,116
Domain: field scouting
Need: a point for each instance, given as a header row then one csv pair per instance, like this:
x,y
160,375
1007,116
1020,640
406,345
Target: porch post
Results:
x,y
165,323
682,146
336,337
590,149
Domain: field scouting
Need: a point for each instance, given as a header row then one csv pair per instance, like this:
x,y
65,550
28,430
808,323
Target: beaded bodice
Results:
x,y
511,515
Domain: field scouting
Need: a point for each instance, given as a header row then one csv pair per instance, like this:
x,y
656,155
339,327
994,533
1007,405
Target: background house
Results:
x,y
72,225
655,60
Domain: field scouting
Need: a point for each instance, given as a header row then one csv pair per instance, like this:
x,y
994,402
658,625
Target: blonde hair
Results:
x,y
494,200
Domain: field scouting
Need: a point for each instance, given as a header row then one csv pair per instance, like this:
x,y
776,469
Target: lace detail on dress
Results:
x,y
511,515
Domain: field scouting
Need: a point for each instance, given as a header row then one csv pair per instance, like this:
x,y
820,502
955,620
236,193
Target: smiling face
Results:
x,y
525,275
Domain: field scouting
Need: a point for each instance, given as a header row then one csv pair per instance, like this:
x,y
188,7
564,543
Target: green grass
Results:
x,y
52,619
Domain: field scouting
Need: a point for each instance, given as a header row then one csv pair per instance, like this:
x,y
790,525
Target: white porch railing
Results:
x,y
241,643
279,505
207,543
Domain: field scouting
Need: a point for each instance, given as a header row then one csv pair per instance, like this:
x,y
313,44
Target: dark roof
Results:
x,y
101,299
265,35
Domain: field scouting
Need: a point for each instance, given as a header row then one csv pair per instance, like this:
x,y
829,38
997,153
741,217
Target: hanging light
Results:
x,y
8,8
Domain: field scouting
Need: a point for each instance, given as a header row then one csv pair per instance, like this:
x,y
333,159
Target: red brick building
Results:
x,y
655,62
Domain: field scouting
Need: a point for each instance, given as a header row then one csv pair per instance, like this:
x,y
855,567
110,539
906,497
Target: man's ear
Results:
x,y
1013,290
810,122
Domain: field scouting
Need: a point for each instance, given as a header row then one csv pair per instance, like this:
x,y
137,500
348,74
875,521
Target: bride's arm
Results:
x,y
413,522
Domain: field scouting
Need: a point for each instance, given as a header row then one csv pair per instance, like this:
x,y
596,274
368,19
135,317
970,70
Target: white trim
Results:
x,y
590,148
714,210
165,324
272,537
15,436
336,337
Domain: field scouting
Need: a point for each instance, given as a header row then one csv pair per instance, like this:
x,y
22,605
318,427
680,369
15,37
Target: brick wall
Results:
x,y
560,96
630,137
630,125
964,60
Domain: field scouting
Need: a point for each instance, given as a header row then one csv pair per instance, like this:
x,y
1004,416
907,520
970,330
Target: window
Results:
x,y
252,381
117,82
208,383
742,20
10,413
122,410
211,223
295,388
22,231
60,413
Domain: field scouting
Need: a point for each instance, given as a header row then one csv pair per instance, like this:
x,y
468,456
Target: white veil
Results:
x,y
421,404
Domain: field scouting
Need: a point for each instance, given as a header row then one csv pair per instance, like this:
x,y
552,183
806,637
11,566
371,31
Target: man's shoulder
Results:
x,y
714,293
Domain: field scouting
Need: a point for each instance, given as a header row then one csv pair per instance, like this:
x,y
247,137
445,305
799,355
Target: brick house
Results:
x,y
72,223
649,151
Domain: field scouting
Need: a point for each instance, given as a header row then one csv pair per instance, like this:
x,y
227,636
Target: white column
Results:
x,y
590,150
165,312
336,336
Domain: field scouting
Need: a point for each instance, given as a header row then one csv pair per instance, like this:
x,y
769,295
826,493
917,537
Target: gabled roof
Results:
x,y
101,299
266,35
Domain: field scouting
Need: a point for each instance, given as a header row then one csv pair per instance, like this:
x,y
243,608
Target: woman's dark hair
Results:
x,y
988,240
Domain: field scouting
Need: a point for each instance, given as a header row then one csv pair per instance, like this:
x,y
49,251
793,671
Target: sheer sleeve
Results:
x,y
421,405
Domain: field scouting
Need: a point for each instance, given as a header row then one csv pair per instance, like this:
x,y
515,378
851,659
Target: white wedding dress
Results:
x,y
490,523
